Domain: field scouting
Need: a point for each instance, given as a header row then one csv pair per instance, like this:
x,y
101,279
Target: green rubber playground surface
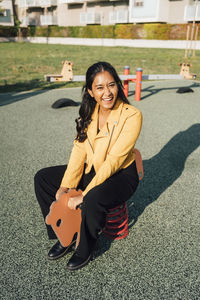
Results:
x,y
160,258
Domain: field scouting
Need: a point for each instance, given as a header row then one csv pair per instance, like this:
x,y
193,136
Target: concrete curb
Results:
x,y
138,43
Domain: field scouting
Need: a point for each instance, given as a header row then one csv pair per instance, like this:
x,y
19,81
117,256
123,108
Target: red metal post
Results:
x,y
138,84
126,82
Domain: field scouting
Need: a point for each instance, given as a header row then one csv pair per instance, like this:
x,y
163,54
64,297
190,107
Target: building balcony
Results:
x,y
47,3
26,21
71,1
99,0
119,16
77,1
37,3
192,13
149,11
48,20
90,18
39,20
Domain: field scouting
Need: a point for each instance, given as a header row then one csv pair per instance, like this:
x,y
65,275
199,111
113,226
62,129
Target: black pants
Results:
x,y
112,192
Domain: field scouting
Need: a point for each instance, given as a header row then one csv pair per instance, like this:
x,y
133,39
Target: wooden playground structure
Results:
x,y
185,71
67,76
191,39
190,50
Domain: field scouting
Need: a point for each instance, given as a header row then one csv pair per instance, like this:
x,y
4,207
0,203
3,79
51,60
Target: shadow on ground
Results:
x,y
151,90
29,89
160,172
24,90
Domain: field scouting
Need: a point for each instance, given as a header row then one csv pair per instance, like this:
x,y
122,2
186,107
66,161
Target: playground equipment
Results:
x,y
66,222
191,38
116,226
192,34
185,71
67,75
137,80
139,77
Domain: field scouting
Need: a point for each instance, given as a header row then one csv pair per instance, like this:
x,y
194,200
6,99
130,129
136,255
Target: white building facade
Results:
x,y
163,11
80,12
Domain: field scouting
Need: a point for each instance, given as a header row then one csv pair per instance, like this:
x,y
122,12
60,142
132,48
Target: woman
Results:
x,y
102,162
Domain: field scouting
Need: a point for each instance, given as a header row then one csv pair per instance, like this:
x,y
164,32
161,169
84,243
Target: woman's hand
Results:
x,y
75,201
60,192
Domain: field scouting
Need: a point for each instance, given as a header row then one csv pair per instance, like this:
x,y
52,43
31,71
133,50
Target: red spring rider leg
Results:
x,y
117,223
126,72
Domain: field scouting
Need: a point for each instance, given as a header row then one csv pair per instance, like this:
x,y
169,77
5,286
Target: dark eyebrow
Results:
x,y
102,84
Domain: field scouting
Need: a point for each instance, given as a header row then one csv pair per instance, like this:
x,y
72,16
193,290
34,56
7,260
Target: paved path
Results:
x,y
160,257
136,43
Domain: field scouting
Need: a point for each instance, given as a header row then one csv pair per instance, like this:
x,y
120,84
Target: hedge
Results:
x,y
8,31
119,31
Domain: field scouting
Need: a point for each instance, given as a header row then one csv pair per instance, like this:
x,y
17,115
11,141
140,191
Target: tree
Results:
x,y
16,20
15,15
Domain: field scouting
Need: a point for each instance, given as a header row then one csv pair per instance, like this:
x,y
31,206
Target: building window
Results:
x,y
3,13
5,16
138,2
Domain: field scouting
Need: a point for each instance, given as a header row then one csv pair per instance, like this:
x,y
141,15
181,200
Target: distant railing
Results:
x,y
118,16
37,3
25,21
75,1
78,1
48,20
90,18
40,20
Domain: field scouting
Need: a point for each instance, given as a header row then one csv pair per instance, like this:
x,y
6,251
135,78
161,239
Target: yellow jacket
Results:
x,y
108,151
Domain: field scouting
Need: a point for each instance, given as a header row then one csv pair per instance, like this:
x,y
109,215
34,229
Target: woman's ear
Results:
x,y
91,93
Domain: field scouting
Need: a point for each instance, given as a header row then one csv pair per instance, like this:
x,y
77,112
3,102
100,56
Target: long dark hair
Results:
x,y
88,103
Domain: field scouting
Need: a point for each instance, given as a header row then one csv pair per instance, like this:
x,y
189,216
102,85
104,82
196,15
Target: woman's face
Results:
x,y
104,90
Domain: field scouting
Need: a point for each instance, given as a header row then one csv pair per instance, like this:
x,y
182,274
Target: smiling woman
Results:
x,y
105,91
102,162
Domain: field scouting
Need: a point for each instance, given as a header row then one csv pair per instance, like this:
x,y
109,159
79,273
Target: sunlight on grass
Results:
x,y
23,65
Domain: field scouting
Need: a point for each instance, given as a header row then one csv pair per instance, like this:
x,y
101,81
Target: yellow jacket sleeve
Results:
x,y
75,166
119,151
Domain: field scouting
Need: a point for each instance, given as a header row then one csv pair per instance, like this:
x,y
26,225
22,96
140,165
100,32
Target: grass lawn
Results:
x,y
23,65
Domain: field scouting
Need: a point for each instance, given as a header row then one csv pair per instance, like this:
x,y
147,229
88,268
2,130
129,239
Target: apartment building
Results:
x,y
6,17
163,11
105,12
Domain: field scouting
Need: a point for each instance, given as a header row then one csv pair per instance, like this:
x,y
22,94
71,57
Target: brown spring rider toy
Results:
x,y
66,222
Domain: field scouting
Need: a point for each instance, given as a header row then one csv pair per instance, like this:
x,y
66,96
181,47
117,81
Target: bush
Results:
x,y
129,31
24,31
178,32
32,30
157,31
8,31
124,31
119,31
91,31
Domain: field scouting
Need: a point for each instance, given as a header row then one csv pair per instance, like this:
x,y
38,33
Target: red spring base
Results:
x,y
116,227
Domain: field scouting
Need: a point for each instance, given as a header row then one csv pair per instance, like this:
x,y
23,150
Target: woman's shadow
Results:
x,y
160,172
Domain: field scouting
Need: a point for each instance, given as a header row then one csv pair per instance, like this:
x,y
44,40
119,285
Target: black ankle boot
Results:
x,y
77,262
58,251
